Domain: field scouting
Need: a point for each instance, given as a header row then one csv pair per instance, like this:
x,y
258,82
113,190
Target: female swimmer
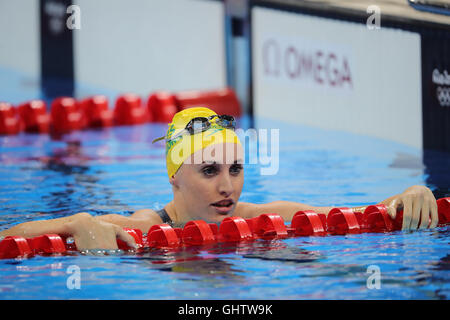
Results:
x,y
204,160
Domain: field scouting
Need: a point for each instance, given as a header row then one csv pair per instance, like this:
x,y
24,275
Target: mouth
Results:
x,y
223,206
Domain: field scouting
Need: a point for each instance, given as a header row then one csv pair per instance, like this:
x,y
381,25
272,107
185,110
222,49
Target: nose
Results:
x,y
225,186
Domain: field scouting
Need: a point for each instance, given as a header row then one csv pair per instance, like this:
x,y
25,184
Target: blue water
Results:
x,y
118,170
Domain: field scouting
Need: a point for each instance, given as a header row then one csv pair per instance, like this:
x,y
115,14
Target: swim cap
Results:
x,y
182,147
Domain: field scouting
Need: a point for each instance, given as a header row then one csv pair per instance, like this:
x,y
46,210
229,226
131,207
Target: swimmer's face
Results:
x,y
208,185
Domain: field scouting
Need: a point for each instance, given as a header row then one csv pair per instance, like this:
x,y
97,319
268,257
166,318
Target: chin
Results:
x,y
218,217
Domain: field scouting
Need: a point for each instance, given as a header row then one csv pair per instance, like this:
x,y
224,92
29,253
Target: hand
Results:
x,y
91,233
419,206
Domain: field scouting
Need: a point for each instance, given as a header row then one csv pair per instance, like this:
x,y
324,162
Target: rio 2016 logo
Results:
x,y
442,82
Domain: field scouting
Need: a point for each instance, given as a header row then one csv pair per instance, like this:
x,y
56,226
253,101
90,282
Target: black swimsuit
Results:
x,y
165,217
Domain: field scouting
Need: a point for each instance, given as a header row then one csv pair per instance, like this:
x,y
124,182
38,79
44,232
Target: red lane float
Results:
x,y
222,101
66,115
34,116
377,219
12,247
47,244
306,223
129,110
9,120
444,210
162,106
270,225
233,229
96,111
342,221
198,232
163,235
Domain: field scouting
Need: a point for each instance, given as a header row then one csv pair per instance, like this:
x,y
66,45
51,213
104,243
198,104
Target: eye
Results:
x,y
235,169
209,170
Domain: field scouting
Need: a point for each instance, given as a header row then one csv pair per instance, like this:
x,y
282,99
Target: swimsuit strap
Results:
x,y
165,217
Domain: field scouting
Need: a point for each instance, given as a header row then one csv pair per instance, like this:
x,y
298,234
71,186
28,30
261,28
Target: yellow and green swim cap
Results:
x,y
183,146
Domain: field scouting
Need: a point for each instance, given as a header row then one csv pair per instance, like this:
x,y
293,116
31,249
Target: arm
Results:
x,y
286,209
418,204
36,228
142,219
88,231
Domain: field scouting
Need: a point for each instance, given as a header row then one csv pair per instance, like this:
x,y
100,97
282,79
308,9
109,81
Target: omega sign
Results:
x,y
309,63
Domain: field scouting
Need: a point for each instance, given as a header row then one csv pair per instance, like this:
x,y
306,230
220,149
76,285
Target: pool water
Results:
x,y
118,170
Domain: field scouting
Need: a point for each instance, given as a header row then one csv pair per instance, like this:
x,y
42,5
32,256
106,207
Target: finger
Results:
x,y
416,207
407,213
425,215
392,208
125,236
434,214
80,243
431,194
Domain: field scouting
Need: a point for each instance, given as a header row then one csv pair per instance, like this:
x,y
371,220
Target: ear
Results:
x,y
173,181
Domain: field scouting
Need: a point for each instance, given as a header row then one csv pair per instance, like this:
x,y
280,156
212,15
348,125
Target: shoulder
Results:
x,y
147,214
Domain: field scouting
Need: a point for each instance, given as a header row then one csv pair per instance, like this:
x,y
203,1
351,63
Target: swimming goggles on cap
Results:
x,y
201,124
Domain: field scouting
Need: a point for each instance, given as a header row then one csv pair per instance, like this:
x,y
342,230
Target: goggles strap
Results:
x,y
195,130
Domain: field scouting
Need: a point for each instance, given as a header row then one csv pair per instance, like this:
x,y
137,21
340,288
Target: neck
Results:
x,y
172,212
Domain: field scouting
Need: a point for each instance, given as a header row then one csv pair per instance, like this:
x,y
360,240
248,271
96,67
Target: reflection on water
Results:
x,y
286,254
216,263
